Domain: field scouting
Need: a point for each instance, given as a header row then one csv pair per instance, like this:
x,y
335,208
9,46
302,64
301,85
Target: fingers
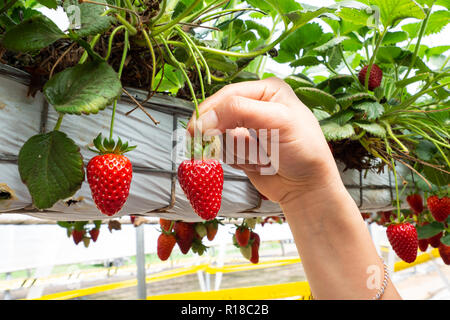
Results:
x,y
270,89
236,111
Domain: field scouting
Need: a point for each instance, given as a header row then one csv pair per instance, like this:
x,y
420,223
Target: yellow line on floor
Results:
x,y
276,291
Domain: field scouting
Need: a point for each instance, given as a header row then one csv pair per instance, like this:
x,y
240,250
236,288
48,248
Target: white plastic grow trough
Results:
x,y
154,189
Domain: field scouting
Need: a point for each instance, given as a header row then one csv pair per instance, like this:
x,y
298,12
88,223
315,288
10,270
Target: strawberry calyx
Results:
x,y
108,146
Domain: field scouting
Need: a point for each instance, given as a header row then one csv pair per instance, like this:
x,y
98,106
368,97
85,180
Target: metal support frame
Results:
x,y
140,263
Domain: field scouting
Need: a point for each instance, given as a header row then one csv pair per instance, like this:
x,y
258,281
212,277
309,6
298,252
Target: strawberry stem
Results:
x,y
122,63
58,122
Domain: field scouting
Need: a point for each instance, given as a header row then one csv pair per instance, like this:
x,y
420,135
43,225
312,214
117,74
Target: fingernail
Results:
x,y
208,121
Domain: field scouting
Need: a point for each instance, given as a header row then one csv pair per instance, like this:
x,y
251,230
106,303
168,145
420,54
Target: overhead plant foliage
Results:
x,y
381,95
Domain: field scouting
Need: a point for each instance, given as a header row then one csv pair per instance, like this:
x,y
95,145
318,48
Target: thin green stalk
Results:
x,y
93,42
230,25
202,58
181,68
445,63
348,67
389,151
416,129
111,38
419,39
152,53
411,100
58,122
251,54
222,13
173,22
392,135
442,153
122,63
162,10
197,66
212,6
132,30
131,8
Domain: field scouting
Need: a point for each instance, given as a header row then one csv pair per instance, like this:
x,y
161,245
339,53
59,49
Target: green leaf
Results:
x,y
51,166
221,63
429,230
296,82
425,150
372,109
391,11
301,38
330,44
357,16
306,61
436,23
32,35
301,17
394,37
85,88
86,19
335,131
335,82
313,97
52,4
436,177
348,99
372,128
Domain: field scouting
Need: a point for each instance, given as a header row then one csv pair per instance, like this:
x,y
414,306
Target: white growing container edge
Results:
x,y
154,191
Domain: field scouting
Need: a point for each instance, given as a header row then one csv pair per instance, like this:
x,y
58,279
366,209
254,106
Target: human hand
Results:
x,y
304,160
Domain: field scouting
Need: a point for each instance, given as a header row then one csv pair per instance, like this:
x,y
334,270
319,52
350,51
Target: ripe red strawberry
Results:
x,y
435,241
166,242
242,235
94,234
415,202
375,77
109,175
444,251
77,236
184,234
211,229
439,207
423,244
165,224
202,182
403,239
255,247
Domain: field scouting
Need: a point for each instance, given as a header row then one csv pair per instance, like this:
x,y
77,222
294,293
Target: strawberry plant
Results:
x,y
153,45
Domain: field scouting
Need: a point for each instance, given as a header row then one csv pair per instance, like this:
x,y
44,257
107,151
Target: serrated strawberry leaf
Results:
x,y
86,18
335,82
307,61
32,35
86,88
348,99
429,230
372,128
372,109
335,131
313,97
51,166
297,82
